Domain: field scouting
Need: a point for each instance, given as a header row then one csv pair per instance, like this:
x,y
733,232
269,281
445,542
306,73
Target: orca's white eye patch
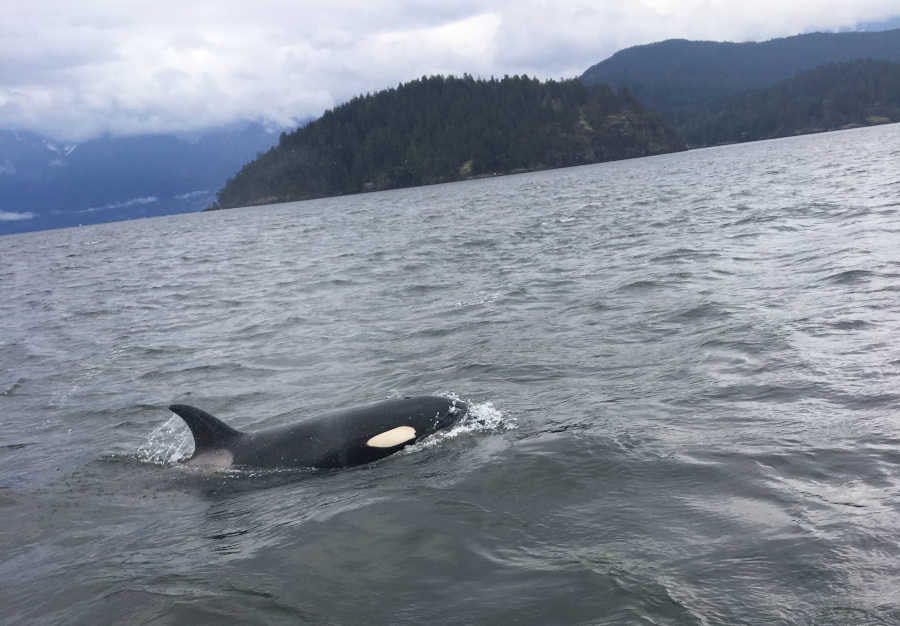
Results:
x,y
392,437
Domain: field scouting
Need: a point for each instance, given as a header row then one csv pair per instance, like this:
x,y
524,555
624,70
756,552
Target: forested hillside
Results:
x,y
438,129
670,76
839,95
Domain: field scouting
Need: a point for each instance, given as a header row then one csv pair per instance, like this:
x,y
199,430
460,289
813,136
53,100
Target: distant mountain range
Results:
x,y
676,75
50,184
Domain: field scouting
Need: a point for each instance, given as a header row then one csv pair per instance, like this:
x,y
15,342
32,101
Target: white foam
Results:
x,y
478,298
482,417
168,443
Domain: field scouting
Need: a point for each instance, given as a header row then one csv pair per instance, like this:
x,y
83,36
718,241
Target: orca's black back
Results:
x,y
338,438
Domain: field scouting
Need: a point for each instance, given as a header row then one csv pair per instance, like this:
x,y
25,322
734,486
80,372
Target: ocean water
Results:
x,y
684,373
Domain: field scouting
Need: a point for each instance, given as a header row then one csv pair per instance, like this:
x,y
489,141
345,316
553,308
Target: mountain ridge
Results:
x,y
670,75
46,183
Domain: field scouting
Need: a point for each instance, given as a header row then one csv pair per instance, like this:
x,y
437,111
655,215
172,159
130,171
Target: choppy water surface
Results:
x,y
684,371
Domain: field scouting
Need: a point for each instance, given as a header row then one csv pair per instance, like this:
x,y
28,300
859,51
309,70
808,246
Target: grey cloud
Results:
x,y
193,194
76,70
121,205
14,216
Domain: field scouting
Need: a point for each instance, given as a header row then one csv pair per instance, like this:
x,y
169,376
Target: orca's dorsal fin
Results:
x,y
210,433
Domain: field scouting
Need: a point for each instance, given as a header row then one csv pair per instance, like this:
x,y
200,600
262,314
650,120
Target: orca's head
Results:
x,y
424,416
451,413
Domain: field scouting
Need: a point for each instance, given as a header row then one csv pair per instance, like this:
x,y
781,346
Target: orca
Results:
x,y
336,439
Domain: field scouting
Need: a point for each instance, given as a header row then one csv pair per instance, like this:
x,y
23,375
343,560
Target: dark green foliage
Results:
x,y
438,129
834,96
670,76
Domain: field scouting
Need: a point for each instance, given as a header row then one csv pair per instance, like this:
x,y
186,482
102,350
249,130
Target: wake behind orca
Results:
x,y
336,439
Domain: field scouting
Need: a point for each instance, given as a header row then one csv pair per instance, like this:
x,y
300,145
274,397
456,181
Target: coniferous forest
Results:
x,y
839,95
442,128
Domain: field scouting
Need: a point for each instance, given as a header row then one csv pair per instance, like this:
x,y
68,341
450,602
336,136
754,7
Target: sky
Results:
x,y
76,70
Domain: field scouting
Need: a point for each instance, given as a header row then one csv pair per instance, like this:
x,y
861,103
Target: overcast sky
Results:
x,y
73,70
